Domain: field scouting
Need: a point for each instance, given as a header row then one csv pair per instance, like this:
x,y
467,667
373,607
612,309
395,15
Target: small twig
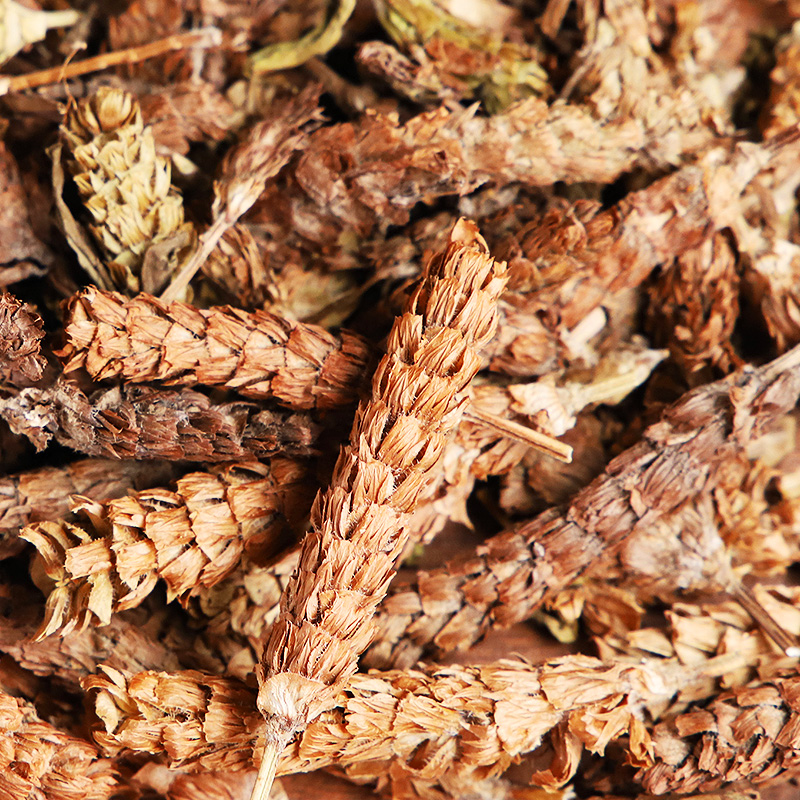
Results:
x,y
521,433
203,37
745,596
266,770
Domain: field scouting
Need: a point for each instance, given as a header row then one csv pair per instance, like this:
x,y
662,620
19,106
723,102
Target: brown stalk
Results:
x,y
142,422
430,730
257,354
359,525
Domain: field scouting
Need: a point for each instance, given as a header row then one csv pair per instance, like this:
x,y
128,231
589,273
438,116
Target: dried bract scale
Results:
x,y
359,525
38,760
44,493
698,632
749,733
21,333
417,79
416,733
141,422
514,572
257,354
694,306
237,271
126,187
111,556
23,254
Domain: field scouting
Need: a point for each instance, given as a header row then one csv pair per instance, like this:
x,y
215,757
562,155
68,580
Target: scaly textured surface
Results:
x,y
256,354
110,558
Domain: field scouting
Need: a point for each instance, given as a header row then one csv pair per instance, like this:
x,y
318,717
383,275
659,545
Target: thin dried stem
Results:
x,y
527,436
201,38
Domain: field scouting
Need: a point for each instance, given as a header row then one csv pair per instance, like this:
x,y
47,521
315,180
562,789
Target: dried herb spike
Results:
x,y
419,392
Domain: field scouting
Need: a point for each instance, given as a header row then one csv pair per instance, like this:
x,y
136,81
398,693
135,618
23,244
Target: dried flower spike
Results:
x,y
359,525
258,355
191,538
127,189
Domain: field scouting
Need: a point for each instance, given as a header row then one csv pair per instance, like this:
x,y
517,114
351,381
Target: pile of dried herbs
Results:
x,y
403,392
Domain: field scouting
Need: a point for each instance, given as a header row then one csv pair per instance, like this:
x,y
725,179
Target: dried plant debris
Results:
x,y
21,334
461,55
782,110
245,171
39,760
141,422
137,216
415,733
694,305
254,188
514,572
257,354
44,493
579,259
110,557
181,114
